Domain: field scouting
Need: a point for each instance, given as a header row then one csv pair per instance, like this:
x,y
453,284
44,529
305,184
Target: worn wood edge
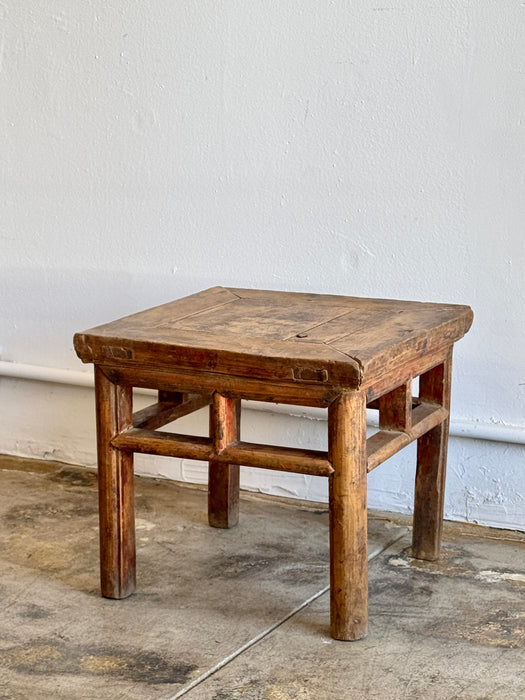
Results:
x,y
90,344
415,347
408,370
270,361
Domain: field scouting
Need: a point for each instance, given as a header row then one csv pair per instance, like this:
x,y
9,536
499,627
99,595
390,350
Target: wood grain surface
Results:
x,y
286,336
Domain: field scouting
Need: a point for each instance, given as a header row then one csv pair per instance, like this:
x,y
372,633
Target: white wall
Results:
x,y
149,150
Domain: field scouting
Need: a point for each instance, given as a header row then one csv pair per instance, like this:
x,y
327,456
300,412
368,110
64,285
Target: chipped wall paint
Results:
x,y
150,151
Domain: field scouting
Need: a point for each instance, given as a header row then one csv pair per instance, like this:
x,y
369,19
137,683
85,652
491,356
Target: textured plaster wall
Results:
x,y
149,150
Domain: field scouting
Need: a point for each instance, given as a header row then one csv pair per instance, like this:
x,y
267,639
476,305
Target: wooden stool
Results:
x,y
223,345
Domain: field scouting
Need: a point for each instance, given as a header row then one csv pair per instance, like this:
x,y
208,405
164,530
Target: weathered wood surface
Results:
x,y
405,372
223,477
386,443
164,444
434,386
287,459
395,408
278,336
348,520
223,345
115,488
314,394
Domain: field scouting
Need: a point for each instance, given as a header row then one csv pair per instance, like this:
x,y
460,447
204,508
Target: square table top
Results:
x,y
282,336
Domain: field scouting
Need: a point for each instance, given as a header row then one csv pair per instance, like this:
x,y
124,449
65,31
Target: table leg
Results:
x,y
348,517
115,487
223,479
434,386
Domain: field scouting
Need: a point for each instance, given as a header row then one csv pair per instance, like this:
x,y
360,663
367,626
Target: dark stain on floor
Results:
x,y
488,616
267,561
70,476
34,612
46,658
38,514
229,566
406,587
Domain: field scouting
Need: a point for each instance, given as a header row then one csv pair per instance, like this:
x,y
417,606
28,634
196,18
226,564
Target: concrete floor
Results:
x,y
222,615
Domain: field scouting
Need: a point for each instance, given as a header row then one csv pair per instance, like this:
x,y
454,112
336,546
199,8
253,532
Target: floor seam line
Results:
x,y
252,642
259,637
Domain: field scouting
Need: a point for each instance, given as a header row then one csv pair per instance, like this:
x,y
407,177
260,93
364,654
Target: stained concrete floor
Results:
x,y
243,613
